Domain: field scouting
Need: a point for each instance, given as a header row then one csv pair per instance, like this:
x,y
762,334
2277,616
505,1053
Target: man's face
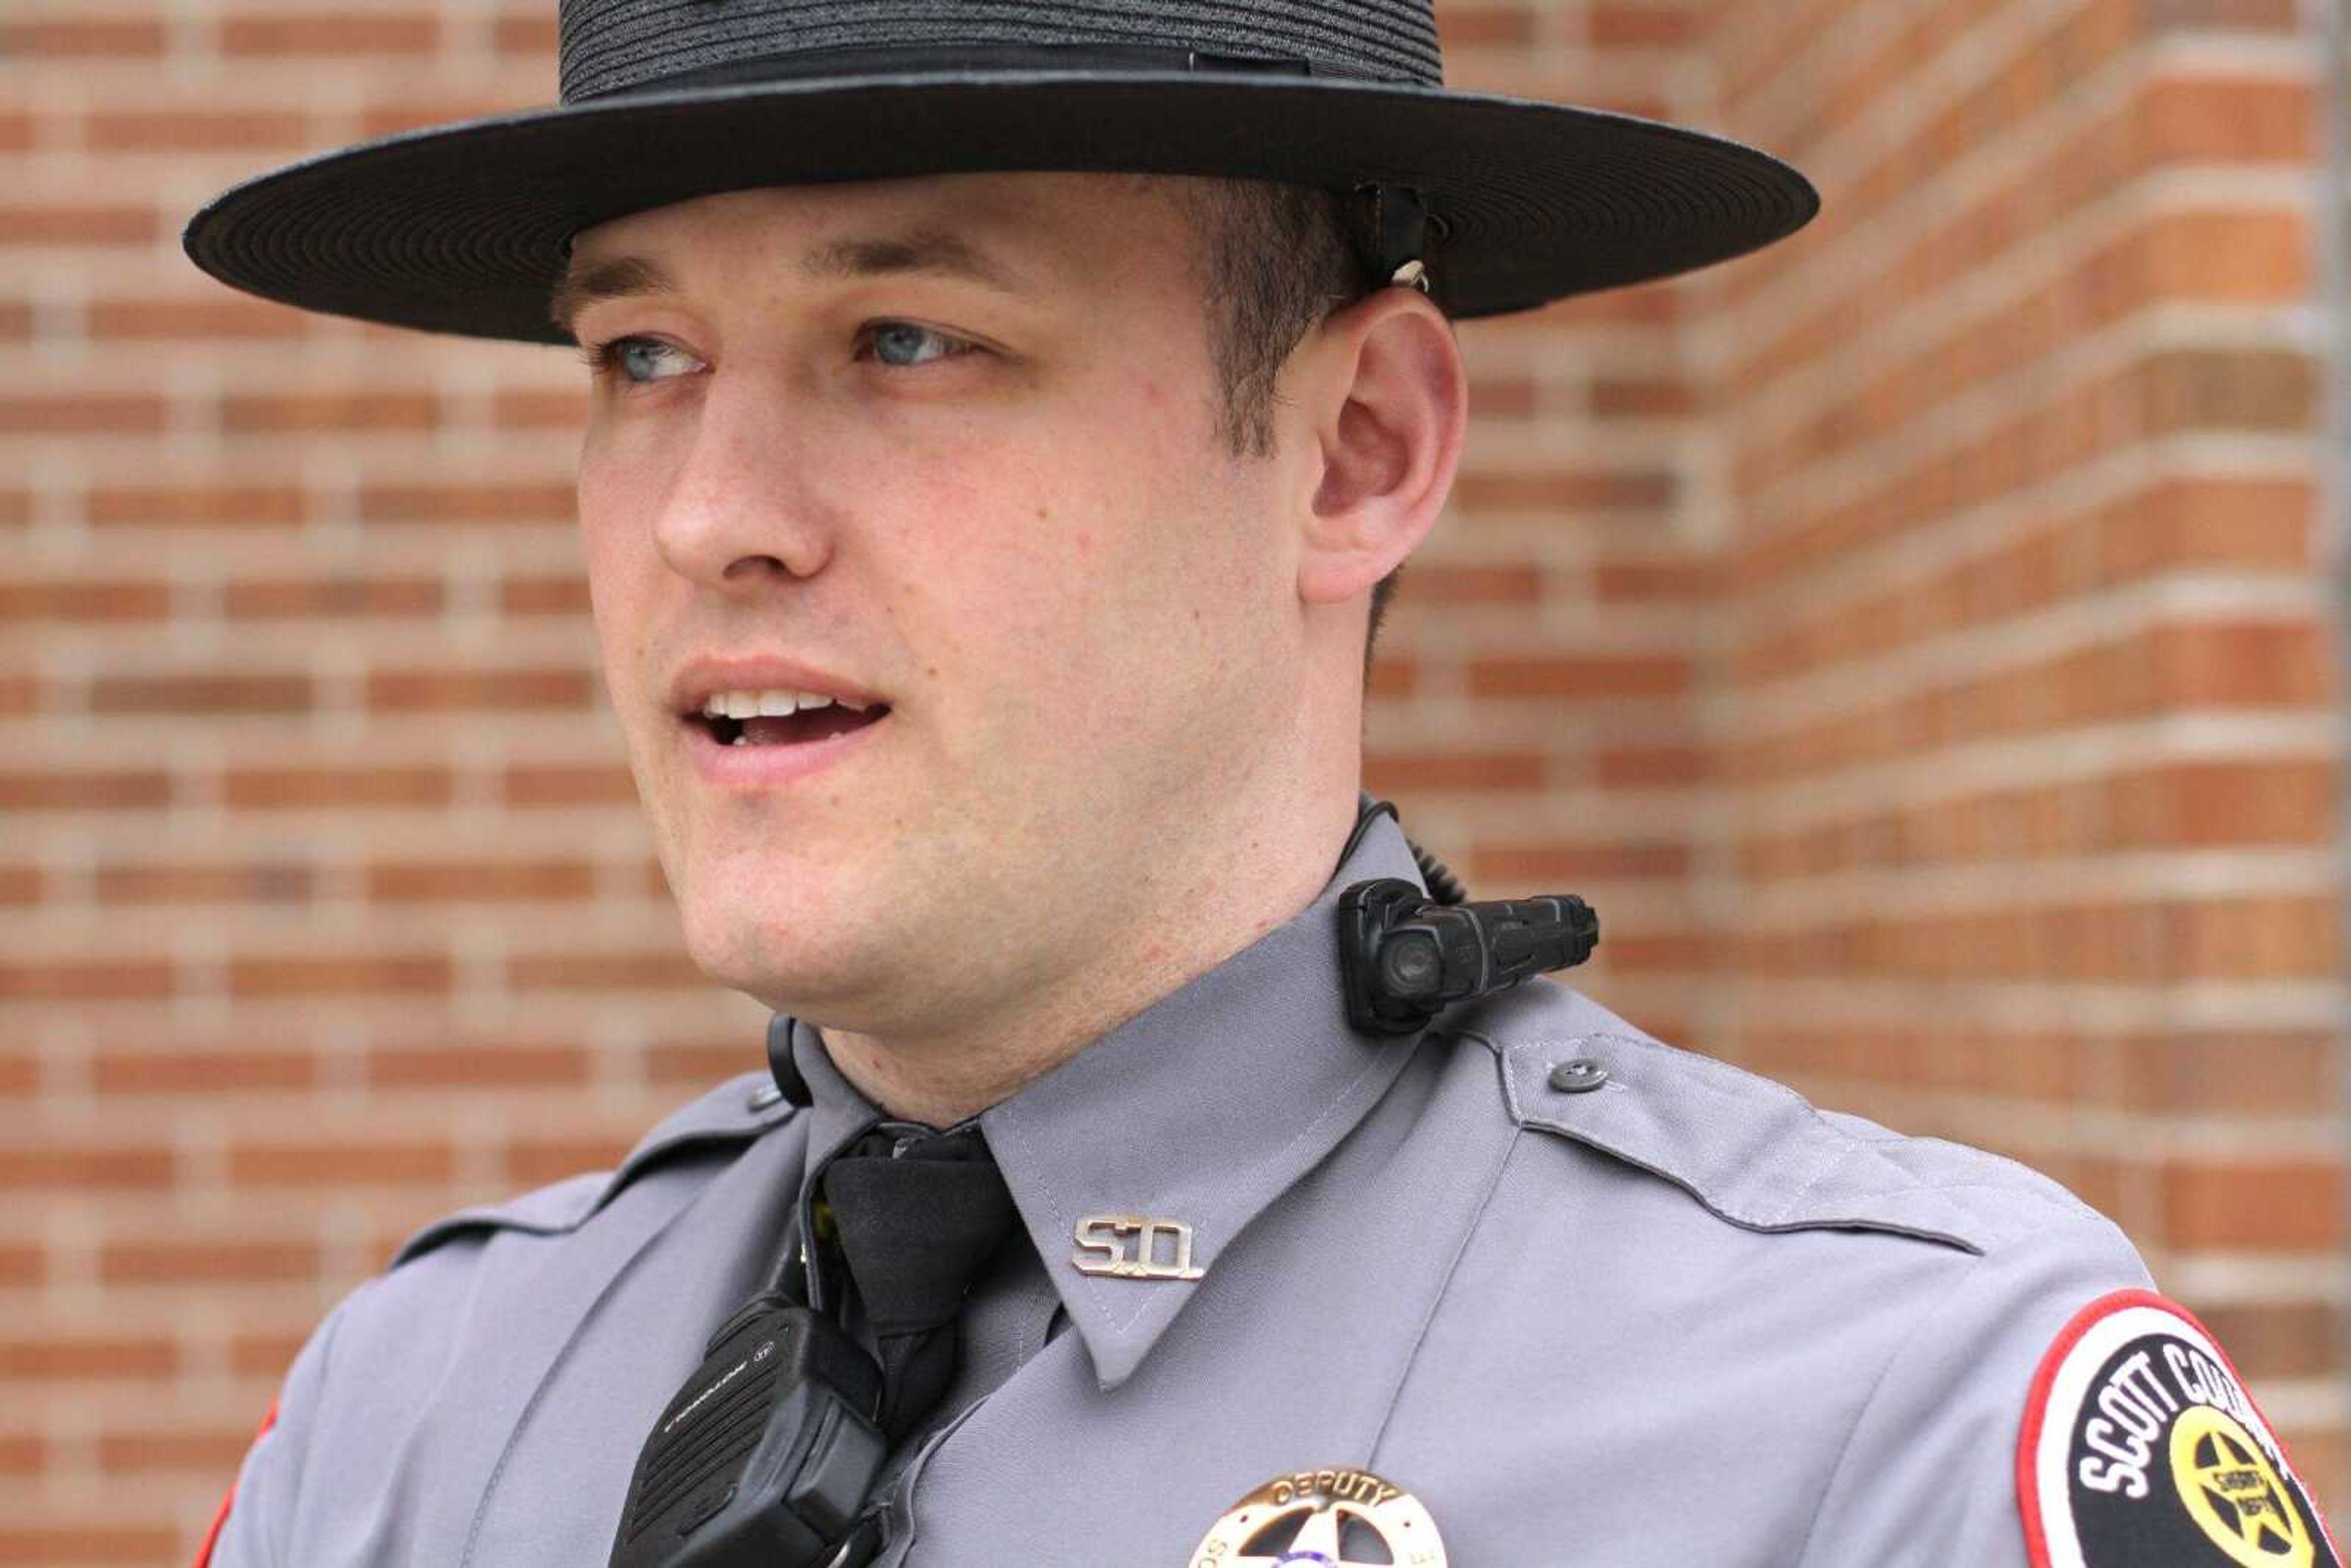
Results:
x,y
948,447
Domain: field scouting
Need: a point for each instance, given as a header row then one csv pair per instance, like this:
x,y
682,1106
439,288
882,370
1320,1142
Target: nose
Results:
x,y
741,511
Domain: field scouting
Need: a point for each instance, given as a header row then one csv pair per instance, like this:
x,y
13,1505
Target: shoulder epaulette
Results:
x,y
1753,1152
737,1111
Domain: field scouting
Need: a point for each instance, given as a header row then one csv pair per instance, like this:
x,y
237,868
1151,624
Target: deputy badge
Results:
x,y
1324,1519
2141,1446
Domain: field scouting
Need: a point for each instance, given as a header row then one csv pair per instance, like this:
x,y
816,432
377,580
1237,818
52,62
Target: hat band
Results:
x,y
929,60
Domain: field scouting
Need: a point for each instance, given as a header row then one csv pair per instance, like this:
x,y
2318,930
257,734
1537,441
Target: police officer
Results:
x,y
1006,420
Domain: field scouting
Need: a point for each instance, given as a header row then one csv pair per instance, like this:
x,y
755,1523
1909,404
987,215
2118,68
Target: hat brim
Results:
x,y
463,228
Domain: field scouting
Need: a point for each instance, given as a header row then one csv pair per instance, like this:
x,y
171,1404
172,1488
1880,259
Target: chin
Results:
x,y
776,938
772,969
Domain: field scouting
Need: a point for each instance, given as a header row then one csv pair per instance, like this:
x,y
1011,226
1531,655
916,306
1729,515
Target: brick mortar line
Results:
x,y
1804,294
1799,888
92,10
2234,1137
71,929
1779,904
1549,726
279,644
1572,628
2154,330
209,74
1976,533
182,829
426,834
323,836
75,746
688,1010
2205,53
1520,347
2028,1007
2010,762
1721,40
1856,690
133,1119
1830,56
361,451
1515,447
200,961
2238,1279
210,554
1897,118
1564,69
618,1108
1776,708
1818,383
1835,482
192,443
1535,536
1586,814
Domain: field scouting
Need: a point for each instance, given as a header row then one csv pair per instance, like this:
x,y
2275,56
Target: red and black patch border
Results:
x,y
2044,1378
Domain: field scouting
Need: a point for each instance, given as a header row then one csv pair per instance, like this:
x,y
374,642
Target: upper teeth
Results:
x,y
773,703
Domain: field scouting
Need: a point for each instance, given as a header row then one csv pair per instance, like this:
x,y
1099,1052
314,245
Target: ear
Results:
x,y
1388,397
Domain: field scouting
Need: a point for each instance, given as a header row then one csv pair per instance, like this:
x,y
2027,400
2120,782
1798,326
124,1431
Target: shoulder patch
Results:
x,y
2141,1446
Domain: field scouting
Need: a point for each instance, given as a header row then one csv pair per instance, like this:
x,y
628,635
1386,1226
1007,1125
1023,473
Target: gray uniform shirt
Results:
x,y
1679,1318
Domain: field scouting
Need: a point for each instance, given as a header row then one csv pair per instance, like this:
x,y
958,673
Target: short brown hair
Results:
x,y
1277,259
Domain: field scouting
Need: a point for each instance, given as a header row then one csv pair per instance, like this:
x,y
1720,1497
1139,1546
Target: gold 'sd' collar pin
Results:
x,y
1317,1516
1127,1247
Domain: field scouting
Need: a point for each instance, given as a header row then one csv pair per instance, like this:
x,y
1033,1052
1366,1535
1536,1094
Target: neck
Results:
x,y
1197,917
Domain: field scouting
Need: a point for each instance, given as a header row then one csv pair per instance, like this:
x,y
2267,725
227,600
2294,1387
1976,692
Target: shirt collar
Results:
x,y
1201,1109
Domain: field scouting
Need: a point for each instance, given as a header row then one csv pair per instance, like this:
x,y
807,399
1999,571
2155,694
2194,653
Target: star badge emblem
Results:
x,y
1340,1518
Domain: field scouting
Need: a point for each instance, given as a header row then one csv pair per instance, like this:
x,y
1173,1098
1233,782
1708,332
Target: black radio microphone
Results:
x,y
767,1458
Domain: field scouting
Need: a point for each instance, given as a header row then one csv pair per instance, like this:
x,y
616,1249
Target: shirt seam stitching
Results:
x,y
547,1376
1877,1387
1437,1301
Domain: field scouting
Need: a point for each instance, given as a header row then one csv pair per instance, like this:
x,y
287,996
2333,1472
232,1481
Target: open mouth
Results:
x,y
790,729
779,718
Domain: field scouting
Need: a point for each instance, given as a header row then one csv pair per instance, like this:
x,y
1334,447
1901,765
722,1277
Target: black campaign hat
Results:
x,y
465,228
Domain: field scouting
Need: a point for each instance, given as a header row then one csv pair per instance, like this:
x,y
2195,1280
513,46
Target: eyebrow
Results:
x,y
936,251
616,278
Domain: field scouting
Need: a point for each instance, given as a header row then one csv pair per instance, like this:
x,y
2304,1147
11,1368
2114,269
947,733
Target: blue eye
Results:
x,y
902,344
628,356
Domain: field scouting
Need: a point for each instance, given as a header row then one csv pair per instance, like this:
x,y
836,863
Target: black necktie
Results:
x,y
916,1224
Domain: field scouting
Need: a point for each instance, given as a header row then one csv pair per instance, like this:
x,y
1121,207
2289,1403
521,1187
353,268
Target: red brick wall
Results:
x,y
1912,639
2024,659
